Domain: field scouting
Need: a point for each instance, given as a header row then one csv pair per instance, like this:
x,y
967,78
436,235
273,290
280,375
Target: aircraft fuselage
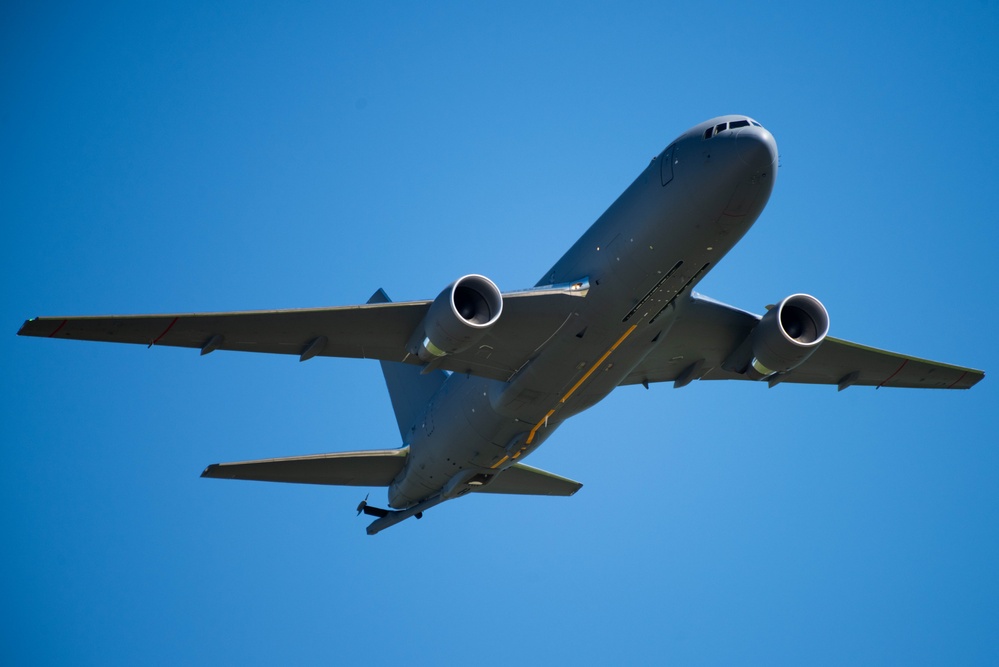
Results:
x,y
641,259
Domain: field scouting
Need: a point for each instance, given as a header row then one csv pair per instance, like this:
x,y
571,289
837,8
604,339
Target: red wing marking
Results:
x,y
58,328
951,385
164,332
897,371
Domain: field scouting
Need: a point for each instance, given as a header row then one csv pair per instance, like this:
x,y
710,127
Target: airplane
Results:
x,y
479,379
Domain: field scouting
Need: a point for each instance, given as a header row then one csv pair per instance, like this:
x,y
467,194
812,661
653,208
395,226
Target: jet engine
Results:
x,y
458,318
787,335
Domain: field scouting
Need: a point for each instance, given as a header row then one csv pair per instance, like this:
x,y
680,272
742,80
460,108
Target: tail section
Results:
x,y
409,388
369,468
523,479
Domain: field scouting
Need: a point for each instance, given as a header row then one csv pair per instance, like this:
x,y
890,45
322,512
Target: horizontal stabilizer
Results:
x,y
371,468
525,480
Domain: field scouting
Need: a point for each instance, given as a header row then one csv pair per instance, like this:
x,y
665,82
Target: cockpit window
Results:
x,y
735,124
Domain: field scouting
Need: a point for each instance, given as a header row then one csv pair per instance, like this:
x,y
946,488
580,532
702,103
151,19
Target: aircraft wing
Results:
x,y
371,331
707,331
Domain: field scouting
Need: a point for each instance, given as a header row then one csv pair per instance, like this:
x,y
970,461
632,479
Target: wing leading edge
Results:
x,y
707,331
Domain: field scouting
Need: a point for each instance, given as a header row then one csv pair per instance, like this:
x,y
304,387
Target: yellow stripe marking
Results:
x,y
530,436
500,462
600,361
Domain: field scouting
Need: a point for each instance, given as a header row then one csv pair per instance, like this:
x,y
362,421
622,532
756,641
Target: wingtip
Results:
x,y
976,377
208,472
24,325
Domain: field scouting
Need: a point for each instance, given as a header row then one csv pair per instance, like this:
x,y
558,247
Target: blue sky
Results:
x,y
230,156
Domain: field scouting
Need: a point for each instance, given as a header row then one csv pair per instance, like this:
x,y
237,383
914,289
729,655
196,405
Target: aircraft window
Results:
x,y
707,132
755,123
738,123
720,128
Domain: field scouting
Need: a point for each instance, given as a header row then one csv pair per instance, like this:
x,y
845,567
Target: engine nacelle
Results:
x,y
787,335
458,318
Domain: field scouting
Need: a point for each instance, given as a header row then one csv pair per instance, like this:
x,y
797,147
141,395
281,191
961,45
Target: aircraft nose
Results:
x,y
756,147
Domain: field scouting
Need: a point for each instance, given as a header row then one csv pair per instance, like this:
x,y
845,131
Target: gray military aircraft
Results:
x,y
479,379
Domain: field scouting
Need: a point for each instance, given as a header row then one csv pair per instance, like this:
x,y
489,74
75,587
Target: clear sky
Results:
x,y
172,157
